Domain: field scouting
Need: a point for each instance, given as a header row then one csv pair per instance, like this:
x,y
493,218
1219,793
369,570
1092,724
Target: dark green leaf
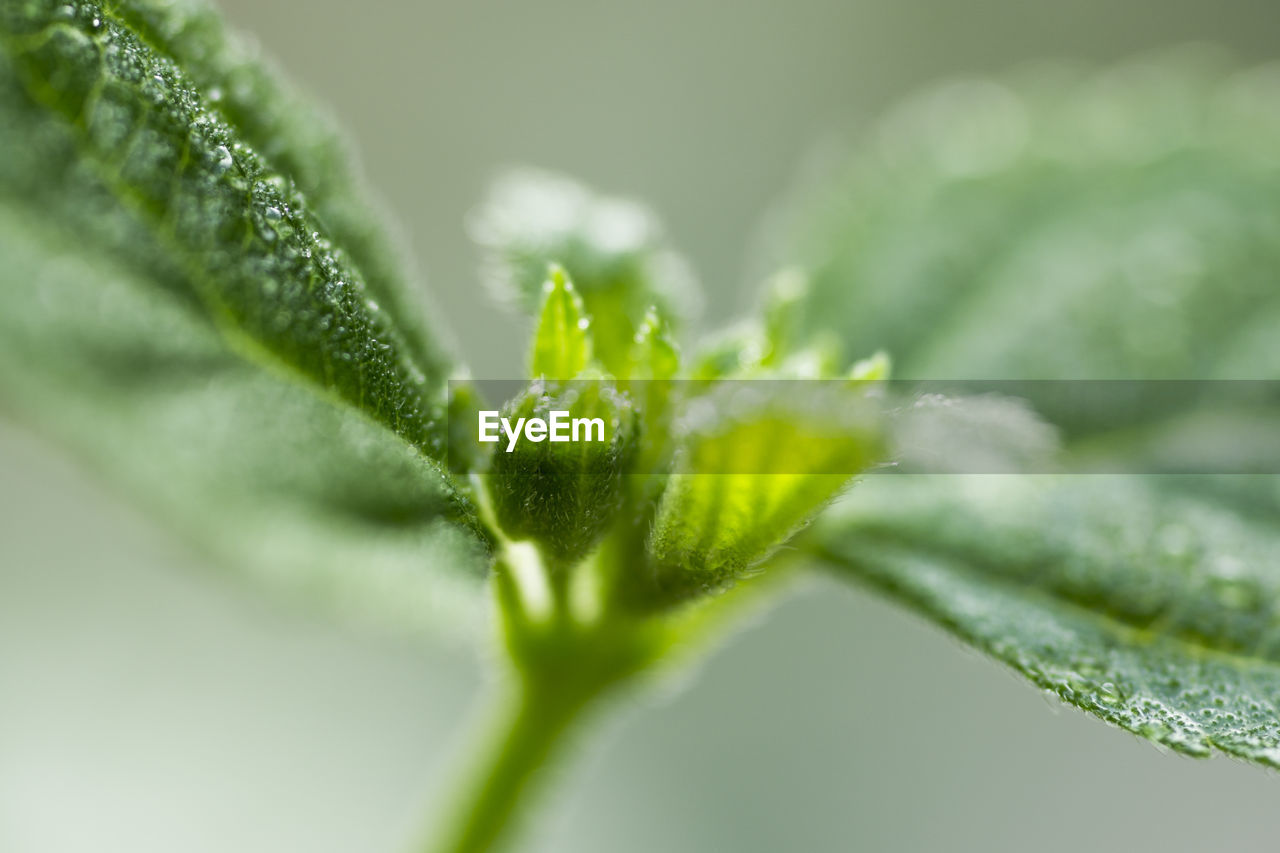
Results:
x,y
565,495
240,233
195,299
1066,225
1137,599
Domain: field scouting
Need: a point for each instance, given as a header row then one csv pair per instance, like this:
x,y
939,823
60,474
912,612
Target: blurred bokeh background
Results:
x,y
146,704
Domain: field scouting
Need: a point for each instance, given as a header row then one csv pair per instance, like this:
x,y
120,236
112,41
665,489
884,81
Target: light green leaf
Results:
x,y
732,351
653,362
654,355
786,295
1139,600
753,466
562,339
216,325
874,368
613,248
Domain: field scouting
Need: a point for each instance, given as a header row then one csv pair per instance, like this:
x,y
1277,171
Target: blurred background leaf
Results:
x,y
614,249
1061,224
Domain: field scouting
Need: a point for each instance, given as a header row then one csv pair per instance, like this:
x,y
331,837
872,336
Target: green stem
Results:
x,y
531,724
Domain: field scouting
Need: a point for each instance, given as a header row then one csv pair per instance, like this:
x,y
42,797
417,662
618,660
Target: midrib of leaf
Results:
x,y
368,367
305,147
267,475
250,350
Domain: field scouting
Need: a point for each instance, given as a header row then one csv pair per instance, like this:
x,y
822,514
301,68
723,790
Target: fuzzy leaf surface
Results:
x,y
1067,224
1137,599
197,301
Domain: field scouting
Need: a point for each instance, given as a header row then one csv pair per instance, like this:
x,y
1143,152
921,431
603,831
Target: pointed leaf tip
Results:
x,y
654,355
874,368
562,345
787,292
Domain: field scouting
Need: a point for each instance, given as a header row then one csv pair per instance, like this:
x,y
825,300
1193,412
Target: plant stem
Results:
x,y
531,724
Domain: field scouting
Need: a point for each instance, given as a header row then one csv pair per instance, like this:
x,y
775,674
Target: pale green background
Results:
x,y
148,705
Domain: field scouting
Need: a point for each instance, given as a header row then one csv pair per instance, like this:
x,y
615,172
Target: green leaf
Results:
x,y
786,295
1073,225
985,433
195,300
653,362
564,495
732,351
1141,600
562,339
752,467
613,248
1059,224
874,368
300,141
654,355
